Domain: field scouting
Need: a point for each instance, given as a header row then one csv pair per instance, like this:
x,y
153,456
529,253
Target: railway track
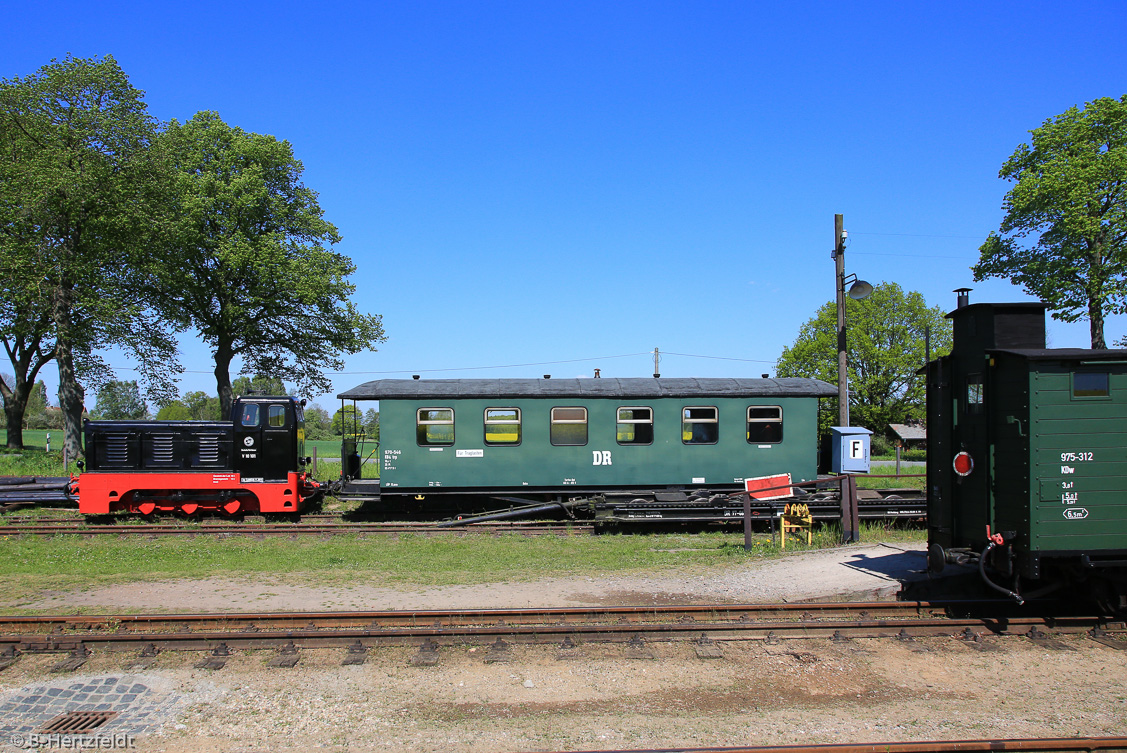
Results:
x,y
1035,745
702,624
55,527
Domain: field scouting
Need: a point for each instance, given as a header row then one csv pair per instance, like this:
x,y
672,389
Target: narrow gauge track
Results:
x,y
769,622
1028,745
55,527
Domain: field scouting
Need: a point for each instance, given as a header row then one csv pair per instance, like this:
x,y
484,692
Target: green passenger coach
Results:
x,y
1027,455
541,439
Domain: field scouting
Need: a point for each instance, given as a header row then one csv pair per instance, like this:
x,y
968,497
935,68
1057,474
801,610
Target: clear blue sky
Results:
x,y
532,182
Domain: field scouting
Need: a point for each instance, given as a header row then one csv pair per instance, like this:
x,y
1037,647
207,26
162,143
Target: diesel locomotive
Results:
x,y
254,463
1027,457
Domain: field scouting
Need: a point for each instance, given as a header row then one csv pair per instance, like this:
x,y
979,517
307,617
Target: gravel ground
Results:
x,y
800,691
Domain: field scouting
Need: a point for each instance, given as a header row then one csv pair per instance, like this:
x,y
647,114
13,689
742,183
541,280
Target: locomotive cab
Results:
x,y
269,437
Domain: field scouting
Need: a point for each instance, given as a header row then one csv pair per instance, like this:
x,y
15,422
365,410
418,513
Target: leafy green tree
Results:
x,y
885,342
174,411
318,424
372,424
347,419
119,400
82,197
203,407
259,385
37,404
1064,236
251,266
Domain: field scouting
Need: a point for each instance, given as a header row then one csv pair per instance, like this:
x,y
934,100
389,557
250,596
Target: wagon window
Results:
x,y
1091,384
699,425
276,416
435,427
635,426
974,393
250,415
764,424
502,426
569,426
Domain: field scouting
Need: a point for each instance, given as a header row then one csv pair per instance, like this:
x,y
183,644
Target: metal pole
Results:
x,y
842,357
747,523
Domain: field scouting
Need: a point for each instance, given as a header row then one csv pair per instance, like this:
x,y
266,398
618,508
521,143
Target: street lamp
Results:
x,y
857,291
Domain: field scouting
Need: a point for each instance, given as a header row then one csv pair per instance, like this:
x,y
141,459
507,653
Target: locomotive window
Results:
x,y
250,415
1091,384
569,426
699,425
276,416
435,427
635,426
974,393
502,426
764,424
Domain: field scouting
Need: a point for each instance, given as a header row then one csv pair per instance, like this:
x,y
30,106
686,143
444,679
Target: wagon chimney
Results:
x,y
964,297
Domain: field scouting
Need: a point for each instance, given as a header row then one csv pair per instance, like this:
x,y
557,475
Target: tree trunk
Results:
x,y
14,411
223,356
71,397
71,394
1096,322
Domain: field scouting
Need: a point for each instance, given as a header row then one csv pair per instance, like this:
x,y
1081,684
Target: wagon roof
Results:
x,y
1065,354
407,389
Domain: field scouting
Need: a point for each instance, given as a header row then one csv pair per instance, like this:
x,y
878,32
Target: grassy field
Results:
x,y
31,564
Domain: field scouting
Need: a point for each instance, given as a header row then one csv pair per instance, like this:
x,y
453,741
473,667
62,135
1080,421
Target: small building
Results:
x,y
909,436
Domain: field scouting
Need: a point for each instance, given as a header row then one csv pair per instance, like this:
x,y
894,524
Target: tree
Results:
x,y
372,424
203,407
25,332
318,425
1070,201
120,400
82,201
885,342
259,385
251,268
347,419
175,410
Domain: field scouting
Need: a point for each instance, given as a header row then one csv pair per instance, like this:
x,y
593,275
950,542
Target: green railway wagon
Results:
x,y
1027,457
543,439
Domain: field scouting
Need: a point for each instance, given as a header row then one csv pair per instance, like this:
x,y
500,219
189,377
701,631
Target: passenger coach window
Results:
x,y
435,426
502,426
974,393
276,415
569,426
250,415
764,424
635,426
1091,384
699,426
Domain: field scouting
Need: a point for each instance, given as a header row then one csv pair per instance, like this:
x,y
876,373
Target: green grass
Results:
x,y
33,461
29,565
910,478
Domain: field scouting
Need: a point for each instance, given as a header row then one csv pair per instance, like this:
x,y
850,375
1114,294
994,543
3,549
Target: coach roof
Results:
x,y
428,389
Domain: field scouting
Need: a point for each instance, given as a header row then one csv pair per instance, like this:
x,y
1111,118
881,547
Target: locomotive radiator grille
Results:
x,y
162,447
209,449
117,448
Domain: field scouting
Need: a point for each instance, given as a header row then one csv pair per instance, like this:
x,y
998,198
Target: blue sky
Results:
x,y
557,187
